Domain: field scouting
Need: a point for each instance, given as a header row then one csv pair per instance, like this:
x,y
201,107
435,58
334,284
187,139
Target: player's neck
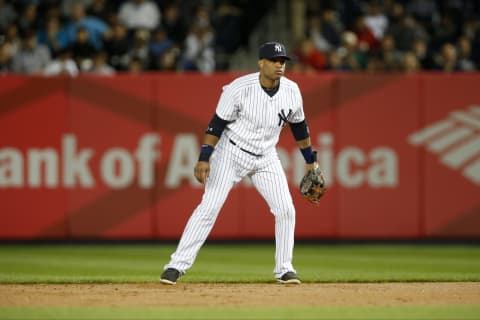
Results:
x,y
268,83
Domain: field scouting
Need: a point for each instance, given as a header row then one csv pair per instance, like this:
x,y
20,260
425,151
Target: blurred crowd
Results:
x,y
69,37
52,37
390,36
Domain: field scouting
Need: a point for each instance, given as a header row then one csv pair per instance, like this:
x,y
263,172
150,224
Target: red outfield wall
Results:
x,y
112,157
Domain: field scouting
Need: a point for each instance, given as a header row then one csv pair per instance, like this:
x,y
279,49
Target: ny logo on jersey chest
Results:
x,y
283,118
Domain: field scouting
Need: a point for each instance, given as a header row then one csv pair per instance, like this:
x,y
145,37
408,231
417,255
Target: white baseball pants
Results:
x,y
228,165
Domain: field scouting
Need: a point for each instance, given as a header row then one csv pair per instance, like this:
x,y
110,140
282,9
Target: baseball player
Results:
x,y
240,141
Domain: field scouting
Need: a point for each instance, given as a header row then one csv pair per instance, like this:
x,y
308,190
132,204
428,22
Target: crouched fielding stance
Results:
x,y
240,141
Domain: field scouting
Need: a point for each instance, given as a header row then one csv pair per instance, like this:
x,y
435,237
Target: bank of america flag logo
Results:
x,y
456,141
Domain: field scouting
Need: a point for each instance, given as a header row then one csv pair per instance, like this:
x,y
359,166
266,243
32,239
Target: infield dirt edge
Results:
x,y
240,295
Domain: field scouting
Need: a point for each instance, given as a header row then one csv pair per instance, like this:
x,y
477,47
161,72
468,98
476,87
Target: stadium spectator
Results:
x,y
464,51
314,32
376,19
331,26
366,39
444,31
117,45
354,58
227,21
135,66
348,11
7,15
28,20
103,10
63,64
410,63
375,63
336,61
423,54
423,11
67,6
100,65
390,55
405,29
140,14
95,27
174,24
13,39
199,53
83,51
470,26
308,57
447,59
5,59
140,50
168,61
32,57
159,43
53,36
407,32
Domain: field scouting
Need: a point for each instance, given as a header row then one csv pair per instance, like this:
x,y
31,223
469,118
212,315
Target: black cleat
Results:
x,y
289,277
170,276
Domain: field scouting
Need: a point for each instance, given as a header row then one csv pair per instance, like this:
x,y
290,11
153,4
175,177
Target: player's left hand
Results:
x,y
313,184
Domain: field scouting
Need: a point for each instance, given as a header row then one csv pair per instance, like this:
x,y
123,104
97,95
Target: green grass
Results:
x,y
238,263
353,313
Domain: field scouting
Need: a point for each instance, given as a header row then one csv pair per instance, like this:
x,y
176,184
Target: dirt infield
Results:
x,y
245,295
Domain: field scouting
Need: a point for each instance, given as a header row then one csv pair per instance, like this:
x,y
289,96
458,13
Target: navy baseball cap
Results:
x,y
270,50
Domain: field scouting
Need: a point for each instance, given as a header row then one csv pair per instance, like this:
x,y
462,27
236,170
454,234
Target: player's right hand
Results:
x,y
201,171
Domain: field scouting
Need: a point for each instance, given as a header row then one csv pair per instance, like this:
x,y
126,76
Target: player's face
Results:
x,y
272,69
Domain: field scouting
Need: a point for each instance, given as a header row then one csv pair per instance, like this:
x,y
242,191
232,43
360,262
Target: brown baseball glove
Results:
x,y
312,185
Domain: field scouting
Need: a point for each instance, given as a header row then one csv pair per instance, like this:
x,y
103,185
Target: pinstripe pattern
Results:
x,y
272,184
255,114
256,120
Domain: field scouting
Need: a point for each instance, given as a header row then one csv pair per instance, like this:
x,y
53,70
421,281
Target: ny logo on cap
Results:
x,y
278,48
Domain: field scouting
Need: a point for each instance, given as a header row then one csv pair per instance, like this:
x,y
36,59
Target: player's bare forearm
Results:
x,y
210,139
305,143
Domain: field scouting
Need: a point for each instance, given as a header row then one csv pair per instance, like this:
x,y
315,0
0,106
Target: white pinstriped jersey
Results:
x,y
256,118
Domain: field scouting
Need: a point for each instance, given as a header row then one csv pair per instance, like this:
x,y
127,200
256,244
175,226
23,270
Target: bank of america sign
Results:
x,y
456,141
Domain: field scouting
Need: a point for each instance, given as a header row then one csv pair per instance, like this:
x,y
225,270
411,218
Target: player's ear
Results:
x,y
260,63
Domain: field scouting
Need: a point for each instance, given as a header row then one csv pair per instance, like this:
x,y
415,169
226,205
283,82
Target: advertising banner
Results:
x,y
113,157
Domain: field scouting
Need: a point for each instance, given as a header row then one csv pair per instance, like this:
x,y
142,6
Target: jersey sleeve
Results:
x,y
227,107
299,115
